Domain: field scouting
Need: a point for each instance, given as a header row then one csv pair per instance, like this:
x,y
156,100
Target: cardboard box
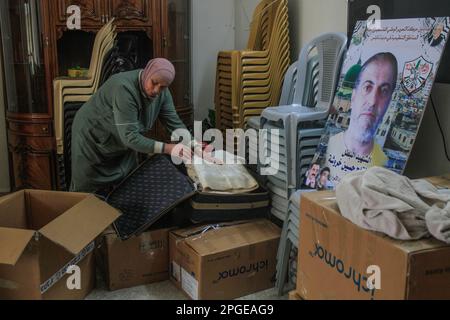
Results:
x,y
294,296
138,261
44,233
335,255
226,261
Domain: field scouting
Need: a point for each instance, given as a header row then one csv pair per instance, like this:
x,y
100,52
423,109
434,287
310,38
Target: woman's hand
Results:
x,y
205,152
180,151
186,154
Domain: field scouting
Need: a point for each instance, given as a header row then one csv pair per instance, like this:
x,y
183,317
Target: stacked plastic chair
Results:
x,y
283,182
71,93
251,151
66,90
249,81
290,239
308,134
303,124
293,269
287,97
277,159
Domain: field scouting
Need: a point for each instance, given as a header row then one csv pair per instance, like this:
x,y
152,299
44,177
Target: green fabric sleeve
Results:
x,y
169,115
126,117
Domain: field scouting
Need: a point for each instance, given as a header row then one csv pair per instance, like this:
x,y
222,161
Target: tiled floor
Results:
x,y
165,291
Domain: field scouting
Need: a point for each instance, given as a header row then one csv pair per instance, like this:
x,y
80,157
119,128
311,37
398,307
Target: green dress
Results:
x,y
107,132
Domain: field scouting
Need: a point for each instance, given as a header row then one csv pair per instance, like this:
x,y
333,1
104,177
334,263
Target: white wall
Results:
x,y
213,26
243,13
310,18
225,24
217,25
428,155
4,165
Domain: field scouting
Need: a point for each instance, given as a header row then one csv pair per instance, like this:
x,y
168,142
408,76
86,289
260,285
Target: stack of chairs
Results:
x,y
249,81
69,94
303,124
307,143
253,123
293,269
275,145
289,85
308,133
287,97
282,184
290,239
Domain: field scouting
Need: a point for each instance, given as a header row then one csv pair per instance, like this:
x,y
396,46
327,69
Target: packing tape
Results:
x,y
47,285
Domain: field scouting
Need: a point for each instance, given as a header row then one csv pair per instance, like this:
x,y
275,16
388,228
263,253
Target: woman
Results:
x,y
109,129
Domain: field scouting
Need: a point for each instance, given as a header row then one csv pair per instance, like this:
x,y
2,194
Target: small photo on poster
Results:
x,y
317,178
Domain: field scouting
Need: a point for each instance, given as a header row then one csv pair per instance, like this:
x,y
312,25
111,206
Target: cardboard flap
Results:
x,y
327,200
81,224
12,195
419,246
13,243
232,237
46,206
13,211
199,230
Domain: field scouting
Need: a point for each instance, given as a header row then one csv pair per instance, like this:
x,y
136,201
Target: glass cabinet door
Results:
x,y
176,45
20,26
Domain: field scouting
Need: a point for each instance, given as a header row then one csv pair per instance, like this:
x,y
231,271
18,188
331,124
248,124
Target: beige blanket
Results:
x,y
222,179
383,201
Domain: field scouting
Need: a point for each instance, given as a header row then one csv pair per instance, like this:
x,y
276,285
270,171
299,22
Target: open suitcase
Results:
x,y
211,207
157,187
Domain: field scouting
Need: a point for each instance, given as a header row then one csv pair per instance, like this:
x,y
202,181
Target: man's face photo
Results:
x,y
371,98
314,172
438,31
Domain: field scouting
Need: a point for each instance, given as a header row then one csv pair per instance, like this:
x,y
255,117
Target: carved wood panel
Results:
x,y
131,12
32,168
39,169
92,11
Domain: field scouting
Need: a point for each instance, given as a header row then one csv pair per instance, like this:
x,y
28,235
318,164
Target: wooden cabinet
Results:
x,y
32,170
38,47
97,12
176,41
31,149
131,12
92,11
28,100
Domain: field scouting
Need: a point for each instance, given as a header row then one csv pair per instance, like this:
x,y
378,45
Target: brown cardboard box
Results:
x,y
335,255
293,296
138,261
225,261
44,233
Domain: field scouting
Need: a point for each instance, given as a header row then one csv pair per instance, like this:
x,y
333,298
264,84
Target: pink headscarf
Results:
x,y
160,67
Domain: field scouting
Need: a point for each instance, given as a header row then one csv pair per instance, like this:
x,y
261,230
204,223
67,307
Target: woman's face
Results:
x,y
155,86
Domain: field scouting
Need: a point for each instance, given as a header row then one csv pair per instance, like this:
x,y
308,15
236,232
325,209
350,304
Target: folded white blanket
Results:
x,y
227,178
383,201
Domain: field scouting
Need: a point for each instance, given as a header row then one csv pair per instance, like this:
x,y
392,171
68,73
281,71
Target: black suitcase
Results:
x,y
153,190
211,207
157,187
